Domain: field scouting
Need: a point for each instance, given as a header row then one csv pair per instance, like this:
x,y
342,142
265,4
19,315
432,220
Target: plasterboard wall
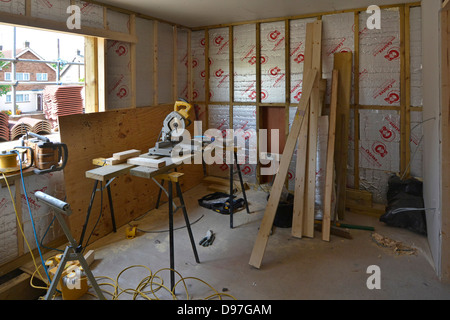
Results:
x,y
431,128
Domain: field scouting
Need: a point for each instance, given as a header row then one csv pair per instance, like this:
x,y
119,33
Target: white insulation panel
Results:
x,y
379,144
337,36
118,74
273,66
55,10
14,7
117,21
415,25
165,63
244,125
219,79
244,51
219,118
52,184
91,14
182,64
297,55
198,65
379,58
144,73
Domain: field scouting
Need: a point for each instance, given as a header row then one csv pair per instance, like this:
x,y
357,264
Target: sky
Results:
x,y
43,43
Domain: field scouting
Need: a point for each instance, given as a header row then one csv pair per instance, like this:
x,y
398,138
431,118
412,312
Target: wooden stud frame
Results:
x,y
404,109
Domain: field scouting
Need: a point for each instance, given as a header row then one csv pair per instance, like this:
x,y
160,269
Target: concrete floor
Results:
x,y
292,268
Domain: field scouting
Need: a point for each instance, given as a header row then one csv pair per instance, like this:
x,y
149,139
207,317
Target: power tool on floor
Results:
x,y
48,156
175,122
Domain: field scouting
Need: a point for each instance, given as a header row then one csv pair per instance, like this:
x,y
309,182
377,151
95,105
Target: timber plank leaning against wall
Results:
x,y
94,135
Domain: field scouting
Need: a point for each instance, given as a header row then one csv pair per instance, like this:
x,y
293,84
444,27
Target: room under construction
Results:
x,y
257,150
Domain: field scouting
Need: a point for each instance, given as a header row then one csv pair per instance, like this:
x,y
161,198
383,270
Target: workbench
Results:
x,y
108,172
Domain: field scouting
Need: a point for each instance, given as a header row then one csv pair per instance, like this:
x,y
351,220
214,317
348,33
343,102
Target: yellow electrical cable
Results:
x,y
26,241
155,283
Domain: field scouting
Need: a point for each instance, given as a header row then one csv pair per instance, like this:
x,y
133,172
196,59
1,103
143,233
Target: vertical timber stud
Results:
x,y
356,103
406,97
275,194
231,73
258,94
155,63
404,138
287,59
207,75
314,110
329,173
101,77
133,60
175,65
302,148
342,63
91,75
189,69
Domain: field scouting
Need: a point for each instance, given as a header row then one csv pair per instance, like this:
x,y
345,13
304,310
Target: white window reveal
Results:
x,y
41,77
20,76
19,98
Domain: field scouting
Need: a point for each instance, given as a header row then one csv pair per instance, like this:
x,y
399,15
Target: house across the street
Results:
x,y
29,96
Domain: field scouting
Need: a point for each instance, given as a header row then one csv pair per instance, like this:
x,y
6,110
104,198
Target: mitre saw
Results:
x,y
173,127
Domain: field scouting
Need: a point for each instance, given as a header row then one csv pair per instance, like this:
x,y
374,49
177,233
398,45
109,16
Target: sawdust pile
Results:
x,y
397,247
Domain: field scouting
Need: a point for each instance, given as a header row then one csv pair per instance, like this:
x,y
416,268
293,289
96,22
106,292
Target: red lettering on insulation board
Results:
x,y
300,58
117,83
296,48
122,50
387,134
275,36
380,148
87,7
393,54
393,97
384,88
46,3
369,156
122,92
384,46
337,47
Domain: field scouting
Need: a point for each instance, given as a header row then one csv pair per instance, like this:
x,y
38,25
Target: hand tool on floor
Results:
x,y
173,124
48,156
208,239
71,253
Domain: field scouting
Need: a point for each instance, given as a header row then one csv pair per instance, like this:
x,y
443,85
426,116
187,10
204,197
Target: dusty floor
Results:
x,y
291,269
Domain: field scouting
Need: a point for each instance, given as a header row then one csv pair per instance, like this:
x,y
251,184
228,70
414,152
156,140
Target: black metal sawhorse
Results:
x,y
232,186
174,177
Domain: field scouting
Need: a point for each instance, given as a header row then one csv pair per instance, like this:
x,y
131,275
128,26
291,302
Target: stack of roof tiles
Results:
x,y
24,125
62,101
4,126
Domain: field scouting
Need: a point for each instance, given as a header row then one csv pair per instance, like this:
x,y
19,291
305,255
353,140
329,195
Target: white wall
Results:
x,y
28,106
431,128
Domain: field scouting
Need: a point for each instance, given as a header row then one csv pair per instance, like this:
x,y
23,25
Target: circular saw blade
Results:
x,y
176,124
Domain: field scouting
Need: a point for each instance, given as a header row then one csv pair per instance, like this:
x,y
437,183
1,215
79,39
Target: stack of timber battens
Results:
x,y
309,106
316,63
304,133
305,178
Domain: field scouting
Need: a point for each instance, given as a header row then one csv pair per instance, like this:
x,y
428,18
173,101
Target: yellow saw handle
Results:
x,y
183,107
